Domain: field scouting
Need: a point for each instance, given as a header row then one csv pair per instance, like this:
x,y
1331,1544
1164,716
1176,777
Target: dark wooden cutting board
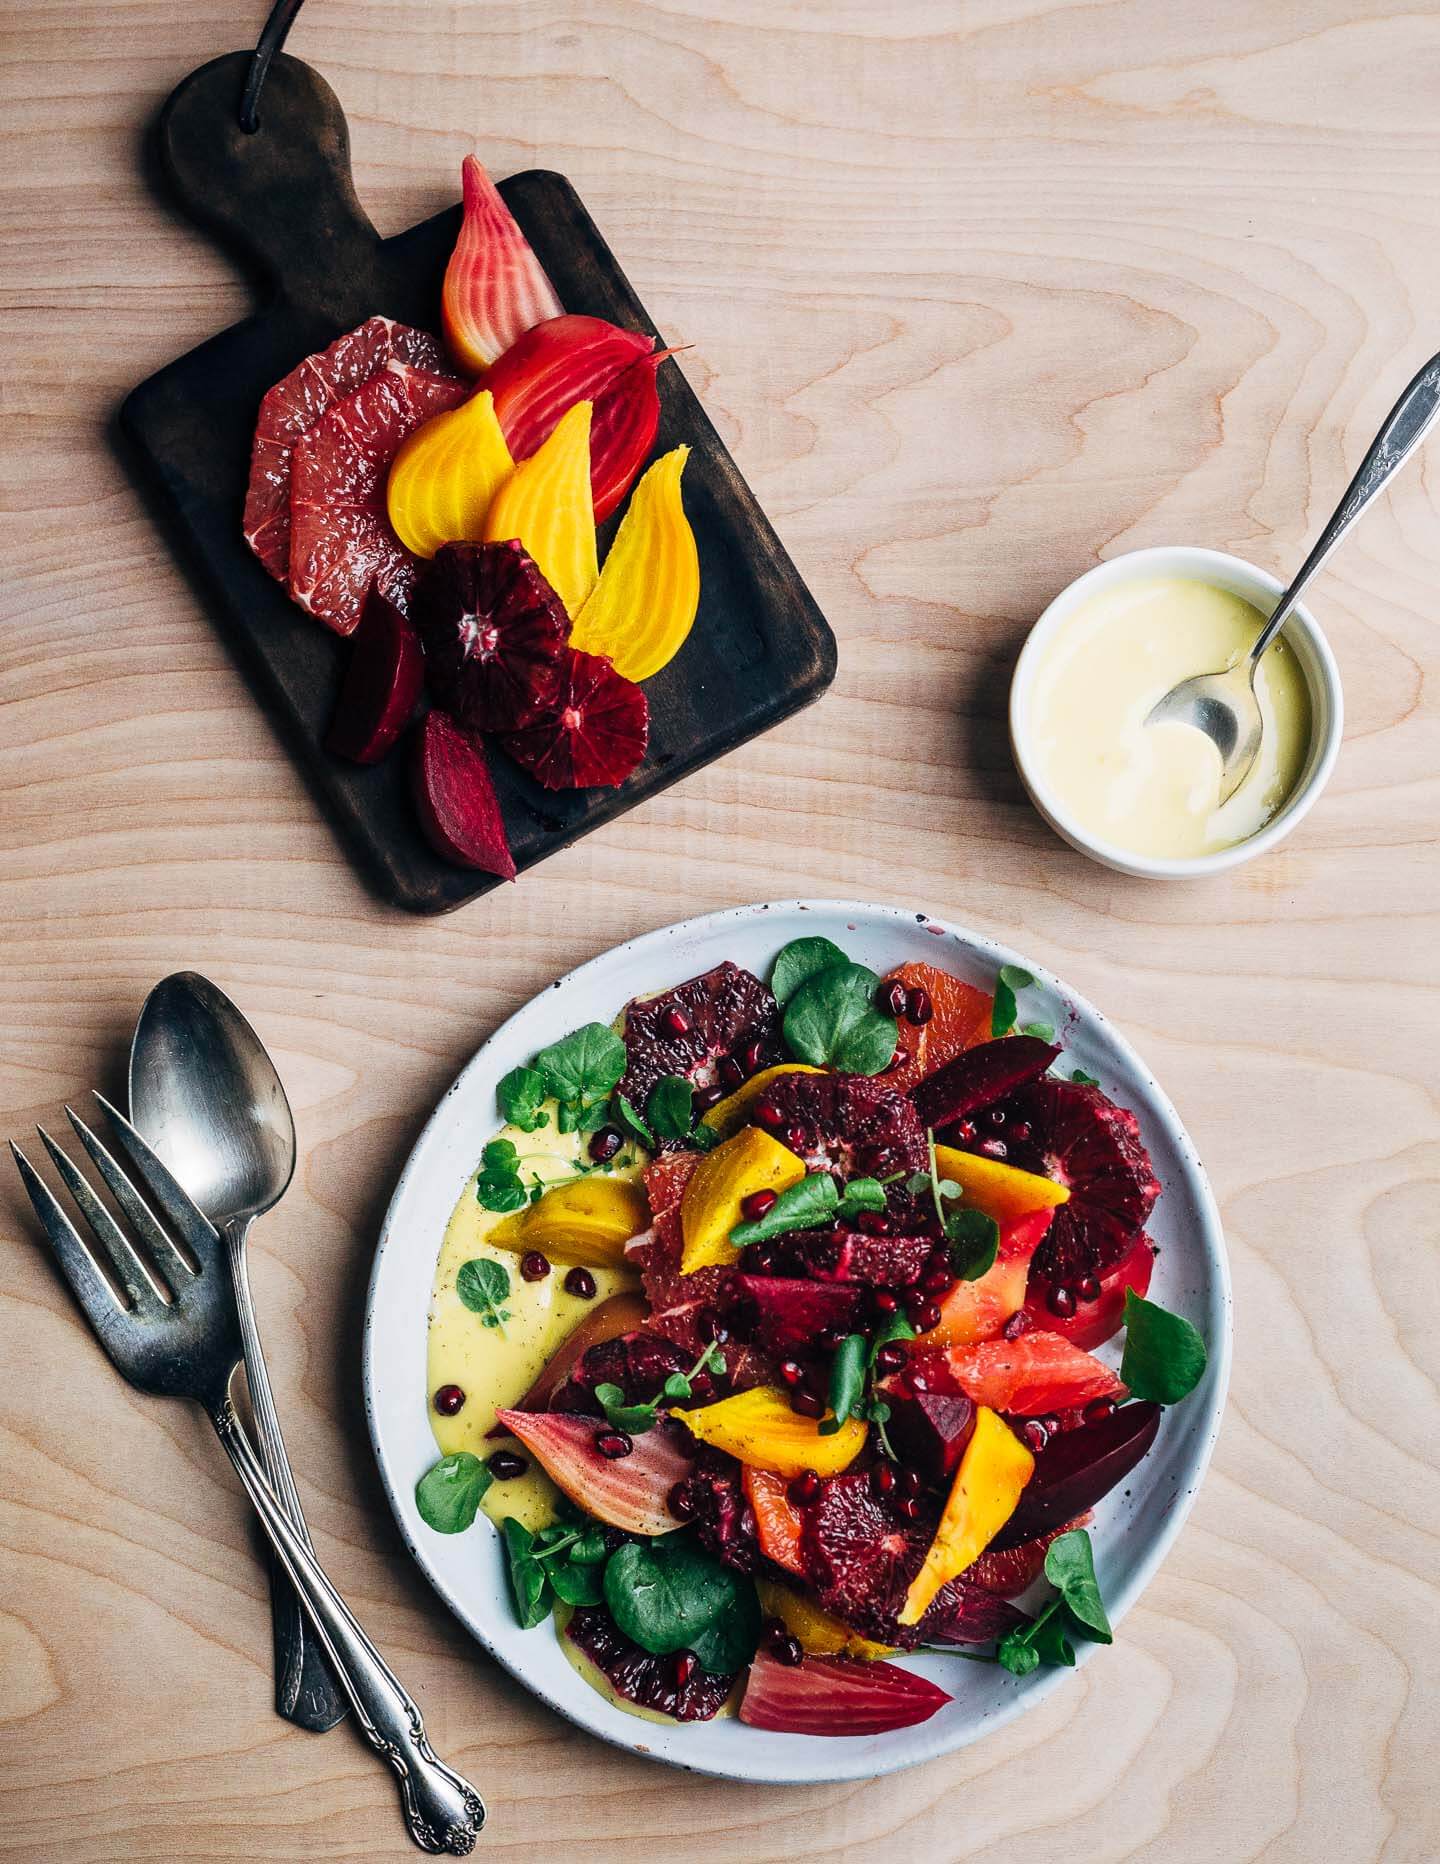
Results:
x,y
283,201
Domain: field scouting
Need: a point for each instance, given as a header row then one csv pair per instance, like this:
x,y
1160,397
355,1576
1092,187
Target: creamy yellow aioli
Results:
x,y
494,1367
1155,790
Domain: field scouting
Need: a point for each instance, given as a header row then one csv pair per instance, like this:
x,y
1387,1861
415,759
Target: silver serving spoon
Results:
x,y
1223,705
207,1097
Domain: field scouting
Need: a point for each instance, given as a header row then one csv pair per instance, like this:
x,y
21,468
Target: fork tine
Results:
x,y
134,1275
184,1215
80,1269
168,1258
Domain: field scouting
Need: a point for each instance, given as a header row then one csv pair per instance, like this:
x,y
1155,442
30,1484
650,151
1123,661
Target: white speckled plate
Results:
x,y
1134,1528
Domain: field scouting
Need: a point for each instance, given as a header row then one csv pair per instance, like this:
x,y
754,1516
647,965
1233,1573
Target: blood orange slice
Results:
x,y
297,403
340,537
592,732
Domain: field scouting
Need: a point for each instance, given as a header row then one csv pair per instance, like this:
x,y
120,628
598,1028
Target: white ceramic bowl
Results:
x,y
1312,655
1134,1528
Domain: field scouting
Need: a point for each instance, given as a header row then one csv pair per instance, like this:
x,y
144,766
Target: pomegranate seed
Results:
x,y
1034,1434
1061,1302
994,1148
1089,1288
908,1482
686,1664
704,1098
505,1465
937,1281
767,1113
908,1509
710,1323
884,1302
448,1400
754,1207
1016,1325
806,1403
1099,1409
676,1022
787,1649
797,1138
1051,1424
534,1266
894,997
995,1117
605,1144
919,1009
613,1444
873,1223
964,1132
580,1283
681,1502
752,1056
882,1479
731,1074
926,1319
791,1372
1020,1131
805,1488
890,1357
915,1300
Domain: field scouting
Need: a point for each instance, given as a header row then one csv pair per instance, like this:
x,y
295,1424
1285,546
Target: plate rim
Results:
x,y
836,1759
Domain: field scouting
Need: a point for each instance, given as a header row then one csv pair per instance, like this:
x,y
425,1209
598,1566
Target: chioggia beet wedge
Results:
x,y
643,607
628,1492
836,1696
495,288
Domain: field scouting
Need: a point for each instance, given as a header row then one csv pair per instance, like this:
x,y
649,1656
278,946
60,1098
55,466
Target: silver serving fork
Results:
x,y
170,1327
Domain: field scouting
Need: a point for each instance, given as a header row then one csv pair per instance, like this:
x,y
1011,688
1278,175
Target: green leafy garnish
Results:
x,y
805,1206
581,1073
528,1584
832,1021
974,1242
1083,1079
449,1494
483,1285
896,1327
862,1194
628,1116
560,1562
667,1595
1011,979
1076,1609
802,958
636,1419
704,1138
498,1186
1164,1358
847,1381
521,1096
1043,1032
670,1109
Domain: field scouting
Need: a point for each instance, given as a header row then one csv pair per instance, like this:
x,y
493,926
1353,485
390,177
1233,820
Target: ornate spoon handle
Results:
x,y
442,1811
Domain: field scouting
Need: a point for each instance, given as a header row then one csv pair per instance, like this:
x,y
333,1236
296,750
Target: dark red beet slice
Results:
x,y
293,407
647,1681
836,1696
783,1314
978,1077
688,1029
494,633
456,800
855,1123
929,1427
964,1613
847,1256
591,732
381,687
1081,1138
1076,1468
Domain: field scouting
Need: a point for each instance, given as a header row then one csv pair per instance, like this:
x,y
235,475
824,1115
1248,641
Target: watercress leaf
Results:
x,y
633,1419
1084,1080
974,1243
877,1411
1016,977
947,1187
577,1584
551,1537
704,1138
594,1116
1070,1568
500,1155
668,1595
591,1548
1044,1031
917,1183
1164,1357
1015,1653
521,1095
450,1492
607,1395
897,1327
501,1195
528,1584
566,1117
799,960
804,1206
1050,1641
847,1376
628,1116
482,1284
677,1386
584,1067
862,1194
1002,1011
832,1021
670,1109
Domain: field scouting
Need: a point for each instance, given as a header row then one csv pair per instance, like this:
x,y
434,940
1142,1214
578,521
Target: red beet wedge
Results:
x,y
979,1077
836,1696
494,633
590,733
382,684
786,1314
456,800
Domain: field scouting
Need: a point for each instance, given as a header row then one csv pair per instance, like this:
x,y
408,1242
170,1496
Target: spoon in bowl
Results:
x,y
207,1097
1223,704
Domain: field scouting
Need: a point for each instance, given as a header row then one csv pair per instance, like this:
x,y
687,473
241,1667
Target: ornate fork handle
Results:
x,y
442,1812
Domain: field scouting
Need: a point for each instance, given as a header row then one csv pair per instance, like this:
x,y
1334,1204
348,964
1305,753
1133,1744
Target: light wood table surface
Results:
x,y
978,294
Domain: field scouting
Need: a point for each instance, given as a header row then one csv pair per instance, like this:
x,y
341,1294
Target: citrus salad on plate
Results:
x,y
792,1324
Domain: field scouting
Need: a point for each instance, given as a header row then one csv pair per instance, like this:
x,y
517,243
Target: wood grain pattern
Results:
x,y
977,294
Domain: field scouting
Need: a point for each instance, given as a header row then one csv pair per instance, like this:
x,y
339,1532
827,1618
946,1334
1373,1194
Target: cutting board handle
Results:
x,y
281,198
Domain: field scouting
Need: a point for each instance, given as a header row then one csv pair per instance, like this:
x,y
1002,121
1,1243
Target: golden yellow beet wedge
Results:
x,y
585,1220
994,1469
546,505
758,1427
643,606
729,1115
820,1633
446,474
1003,1192
711,1207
